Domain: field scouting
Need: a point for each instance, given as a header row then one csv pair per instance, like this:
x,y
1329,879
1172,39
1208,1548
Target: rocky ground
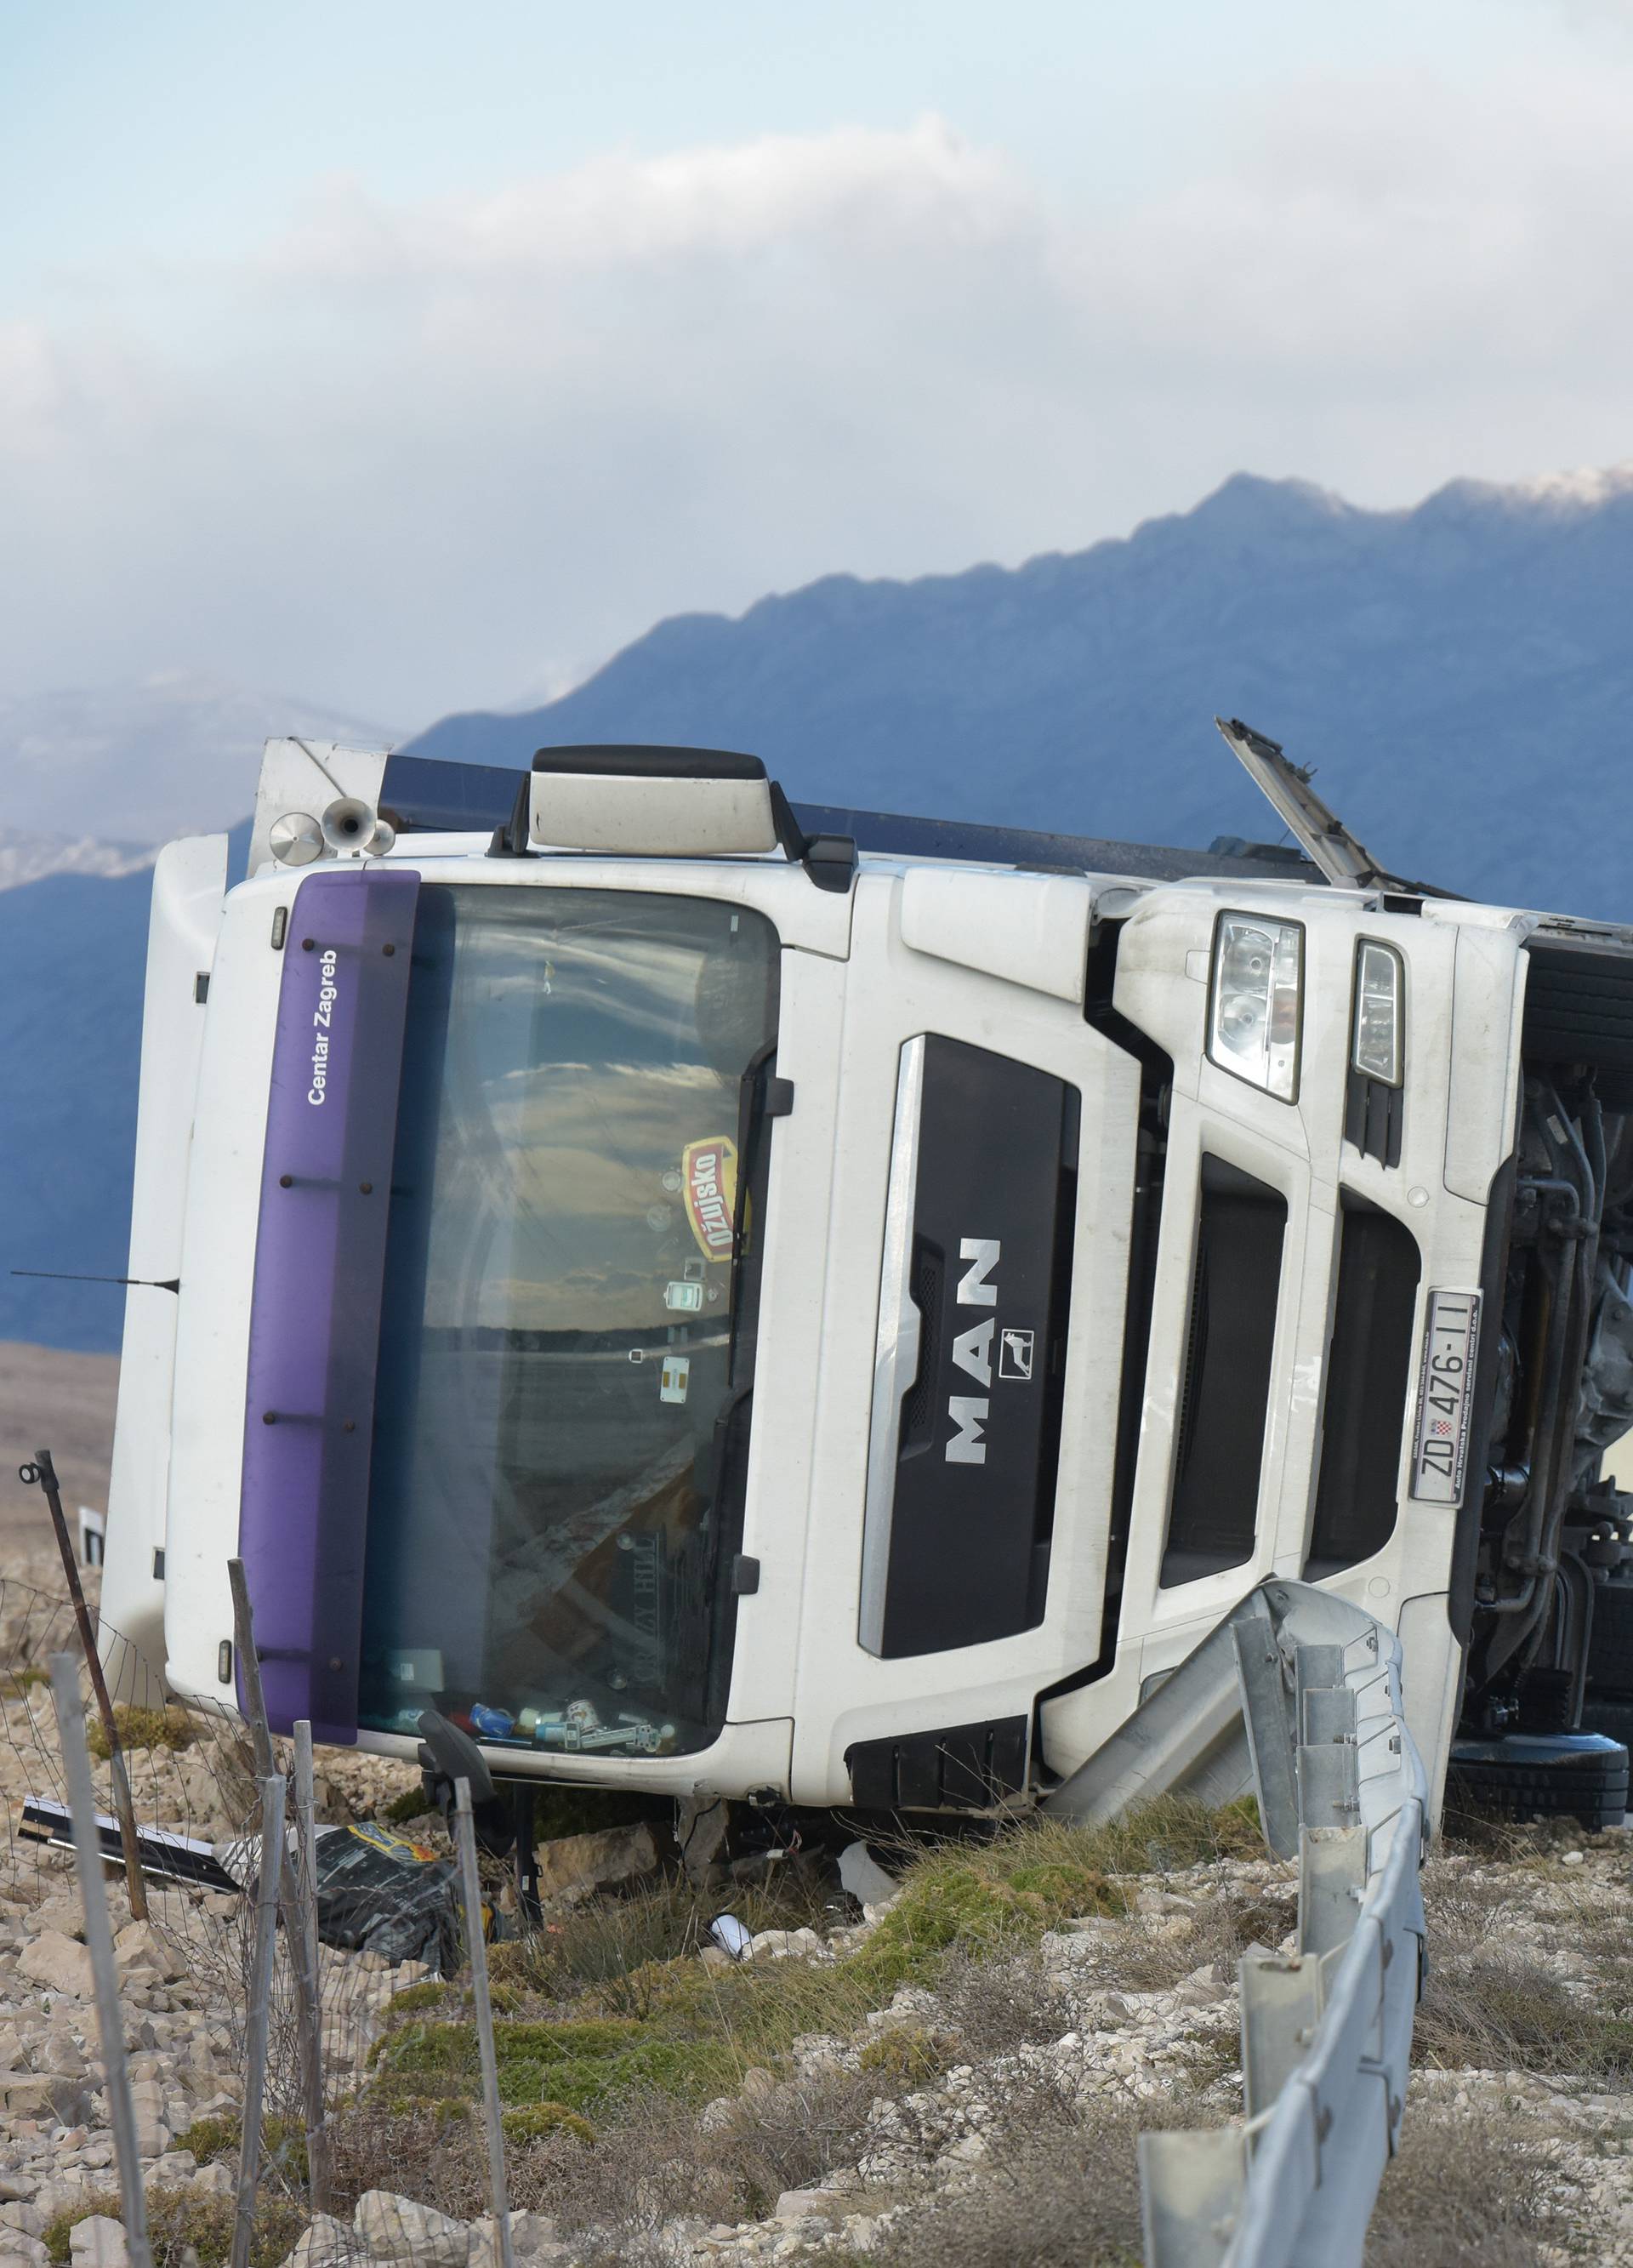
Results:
x,y
954,2075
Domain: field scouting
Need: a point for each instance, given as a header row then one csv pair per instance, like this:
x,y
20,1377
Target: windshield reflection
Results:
x,y
546,1524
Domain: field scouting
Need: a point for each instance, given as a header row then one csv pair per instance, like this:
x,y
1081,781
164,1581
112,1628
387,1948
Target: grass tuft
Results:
x,y
536,2120
282,2143
188,2231
141,1729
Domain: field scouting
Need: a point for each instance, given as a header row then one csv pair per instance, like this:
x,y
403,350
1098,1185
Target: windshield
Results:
x,y
567,1339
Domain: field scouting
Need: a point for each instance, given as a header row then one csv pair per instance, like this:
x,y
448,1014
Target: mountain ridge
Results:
x,y
1456,638
1460,672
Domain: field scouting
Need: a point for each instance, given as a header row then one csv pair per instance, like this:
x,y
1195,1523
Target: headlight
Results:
x,y
1254,1008
1376,1048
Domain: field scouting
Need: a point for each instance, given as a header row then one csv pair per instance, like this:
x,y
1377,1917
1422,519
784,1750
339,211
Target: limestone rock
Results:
x,y
98,2242
577,1863
65,1915
27,2095
798,2205
784,1944
326,2243
174,2166
532,2238
139,1943
147,2100
60,1962
398,2228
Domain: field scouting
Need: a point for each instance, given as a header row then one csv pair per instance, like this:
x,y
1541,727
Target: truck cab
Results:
x,y
722,1298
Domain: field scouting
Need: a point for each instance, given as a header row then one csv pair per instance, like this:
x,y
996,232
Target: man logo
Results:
x,y
971,1350
968,1413
1015,1354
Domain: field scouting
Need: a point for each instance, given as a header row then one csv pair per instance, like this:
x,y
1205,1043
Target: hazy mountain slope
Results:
x,y
67,1128
139,763
72,954
1461,675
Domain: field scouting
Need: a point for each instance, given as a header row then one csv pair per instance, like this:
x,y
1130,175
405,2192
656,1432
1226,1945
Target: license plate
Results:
x,y
1445,1394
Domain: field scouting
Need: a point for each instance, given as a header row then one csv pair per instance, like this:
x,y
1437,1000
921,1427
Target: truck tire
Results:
x,y
1581,1776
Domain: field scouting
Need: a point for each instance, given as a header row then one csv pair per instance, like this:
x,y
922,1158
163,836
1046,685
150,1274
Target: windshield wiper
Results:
x,y
760,1096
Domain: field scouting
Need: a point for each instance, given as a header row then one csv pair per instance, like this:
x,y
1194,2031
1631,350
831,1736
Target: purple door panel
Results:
x,y
319,1263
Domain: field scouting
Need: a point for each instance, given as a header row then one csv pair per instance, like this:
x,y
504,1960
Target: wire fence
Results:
x,y
247,2006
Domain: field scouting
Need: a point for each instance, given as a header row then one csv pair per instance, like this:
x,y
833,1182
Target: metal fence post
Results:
x,y
297,1914
43,1472
303,1948
257,2026
70,1721
465,1832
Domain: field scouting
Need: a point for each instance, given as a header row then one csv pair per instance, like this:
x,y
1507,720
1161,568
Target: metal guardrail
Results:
x,y
1326,2031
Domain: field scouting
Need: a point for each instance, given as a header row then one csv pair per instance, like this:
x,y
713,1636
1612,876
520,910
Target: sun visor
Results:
x,y
320,1266
674,803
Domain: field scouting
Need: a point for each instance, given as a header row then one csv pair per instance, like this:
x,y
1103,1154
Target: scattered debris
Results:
x,y
864,1878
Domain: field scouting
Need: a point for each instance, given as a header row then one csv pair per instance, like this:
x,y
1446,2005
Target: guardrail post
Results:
x,y
1332,1842
1190,2191
1263,1685
1332,1882
1315,1665
1281,2008
1326,2032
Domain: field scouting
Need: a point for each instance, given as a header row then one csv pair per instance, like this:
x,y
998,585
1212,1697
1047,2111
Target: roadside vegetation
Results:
x,y
651,2084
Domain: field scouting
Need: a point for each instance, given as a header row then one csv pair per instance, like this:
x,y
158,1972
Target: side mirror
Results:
x,y
447,1754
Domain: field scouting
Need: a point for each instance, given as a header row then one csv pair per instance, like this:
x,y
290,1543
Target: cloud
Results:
x,y
620,211
413,456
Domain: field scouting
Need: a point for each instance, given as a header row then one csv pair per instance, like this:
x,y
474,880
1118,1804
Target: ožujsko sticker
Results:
x,y
708,1180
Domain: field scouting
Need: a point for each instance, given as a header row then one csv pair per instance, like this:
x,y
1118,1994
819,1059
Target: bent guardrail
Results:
x,y
1326,2031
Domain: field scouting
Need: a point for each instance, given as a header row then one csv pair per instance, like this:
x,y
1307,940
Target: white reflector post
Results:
x,y
672,803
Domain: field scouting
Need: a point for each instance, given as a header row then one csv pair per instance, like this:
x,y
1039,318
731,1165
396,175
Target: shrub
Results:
x,y
906,2055
1502,2010
1061,2192
282,2142
534,2120
183,2225
1478,2186
413,1803
578,2062
433,2149
141,1729
420,1999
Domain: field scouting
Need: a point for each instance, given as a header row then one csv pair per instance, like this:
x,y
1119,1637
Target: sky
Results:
x,y
407,358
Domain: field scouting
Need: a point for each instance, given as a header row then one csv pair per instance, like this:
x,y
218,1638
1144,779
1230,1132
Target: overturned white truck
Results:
x,y
708,1295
